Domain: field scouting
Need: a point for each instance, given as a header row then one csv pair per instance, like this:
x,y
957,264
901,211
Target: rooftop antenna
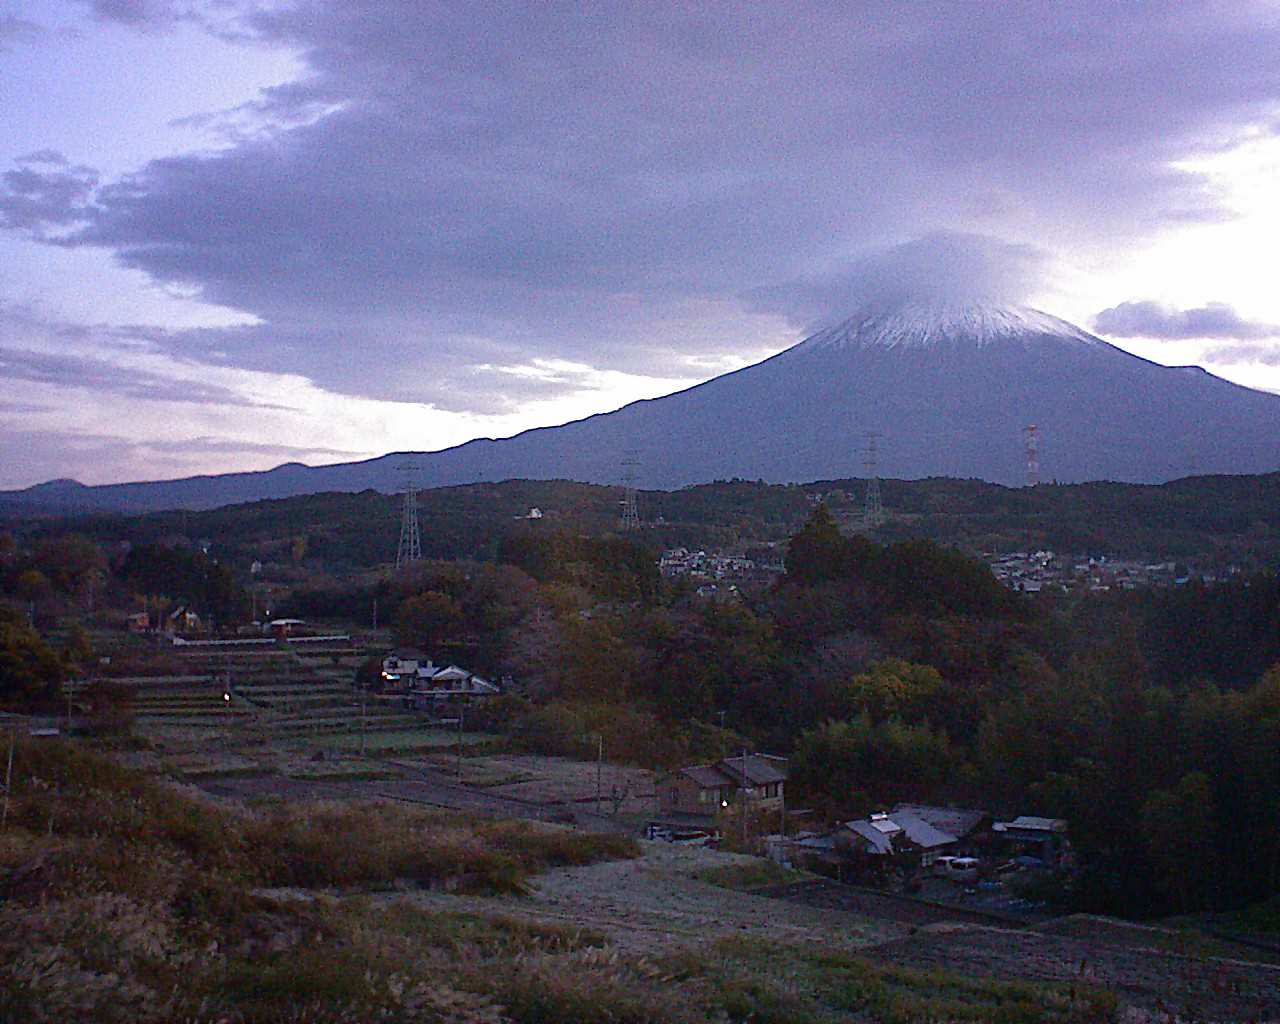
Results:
x,y
873,509
630,509
410,549
1031,438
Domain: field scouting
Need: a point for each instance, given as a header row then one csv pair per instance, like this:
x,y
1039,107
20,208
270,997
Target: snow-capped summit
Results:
x,y
932,324
950,390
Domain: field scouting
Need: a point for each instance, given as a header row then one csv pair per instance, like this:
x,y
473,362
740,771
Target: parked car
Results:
x,y
958,869
678,836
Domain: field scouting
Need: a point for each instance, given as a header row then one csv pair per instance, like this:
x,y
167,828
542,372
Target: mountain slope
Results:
x,y
950,389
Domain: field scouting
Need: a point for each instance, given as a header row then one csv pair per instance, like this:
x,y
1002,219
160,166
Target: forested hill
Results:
x,y
1210,520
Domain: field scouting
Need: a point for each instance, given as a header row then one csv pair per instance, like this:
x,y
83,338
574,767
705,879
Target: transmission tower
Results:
x,y
873,509
630,509
1031,439
410,549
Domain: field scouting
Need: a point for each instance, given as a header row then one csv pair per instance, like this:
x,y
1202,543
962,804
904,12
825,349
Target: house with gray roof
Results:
x,y
882,835
702,791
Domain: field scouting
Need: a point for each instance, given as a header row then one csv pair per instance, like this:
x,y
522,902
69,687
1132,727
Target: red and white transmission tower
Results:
x,y
1031,437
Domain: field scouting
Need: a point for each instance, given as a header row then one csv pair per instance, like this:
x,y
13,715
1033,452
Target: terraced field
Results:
x,y
258,695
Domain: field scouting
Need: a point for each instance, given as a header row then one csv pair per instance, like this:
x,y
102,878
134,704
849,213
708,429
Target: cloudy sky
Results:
x,y
237,233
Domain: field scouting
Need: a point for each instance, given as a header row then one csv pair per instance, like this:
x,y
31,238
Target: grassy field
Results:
x,y
405,741
758,874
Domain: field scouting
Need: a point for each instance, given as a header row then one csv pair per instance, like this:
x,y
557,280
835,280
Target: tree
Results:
x,y
596,662
69,560
1178,829
78,649
848,767
426,619
30,671
33,586
188,577
817,552
369,673
892,688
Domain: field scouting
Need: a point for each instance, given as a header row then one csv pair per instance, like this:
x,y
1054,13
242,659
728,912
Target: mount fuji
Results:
x,y
948,388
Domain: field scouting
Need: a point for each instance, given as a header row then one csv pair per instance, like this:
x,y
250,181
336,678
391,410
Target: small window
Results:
x,y
675,795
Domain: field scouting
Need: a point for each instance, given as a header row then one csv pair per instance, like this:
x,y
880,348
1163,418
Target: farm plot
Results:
x,y
660,903
412,740
561,781
1191,987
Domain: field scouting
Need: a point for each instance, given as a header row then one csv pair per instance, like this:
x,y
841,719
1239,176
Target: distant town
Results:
x,y
721,574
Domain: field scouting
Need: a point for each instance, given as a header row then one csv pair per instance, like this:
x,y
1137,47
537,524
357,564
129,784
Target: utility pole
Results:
x,y
459,767
782,824
363,695
744,799
599,767
8,775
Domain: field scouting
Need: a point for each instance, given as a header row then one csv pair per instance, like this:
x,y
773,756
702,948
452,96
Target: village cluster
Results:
x,y
923,849
1037,571
718,574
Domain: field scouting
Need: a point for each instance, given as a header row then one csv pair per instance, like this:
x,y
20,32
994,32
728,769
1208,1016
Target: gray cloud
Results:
x,y
17,30
109,378
945,267
28,456
40,350
143,14
1214,320
218,446
1268,355
452,185
43,156
44,191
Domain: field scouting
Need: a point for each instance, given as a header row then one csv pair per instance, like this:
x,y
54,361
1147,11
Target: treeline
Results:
x,y
1213,521
1145,719
71,572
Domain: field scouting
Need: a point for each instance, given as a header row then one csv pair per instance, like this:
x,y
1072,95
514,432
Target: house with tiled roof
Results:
x,y
704,790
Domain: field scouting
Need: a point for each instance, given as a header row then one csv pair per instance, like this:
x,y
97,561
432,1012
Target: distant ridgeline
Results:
x,y
1209,521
